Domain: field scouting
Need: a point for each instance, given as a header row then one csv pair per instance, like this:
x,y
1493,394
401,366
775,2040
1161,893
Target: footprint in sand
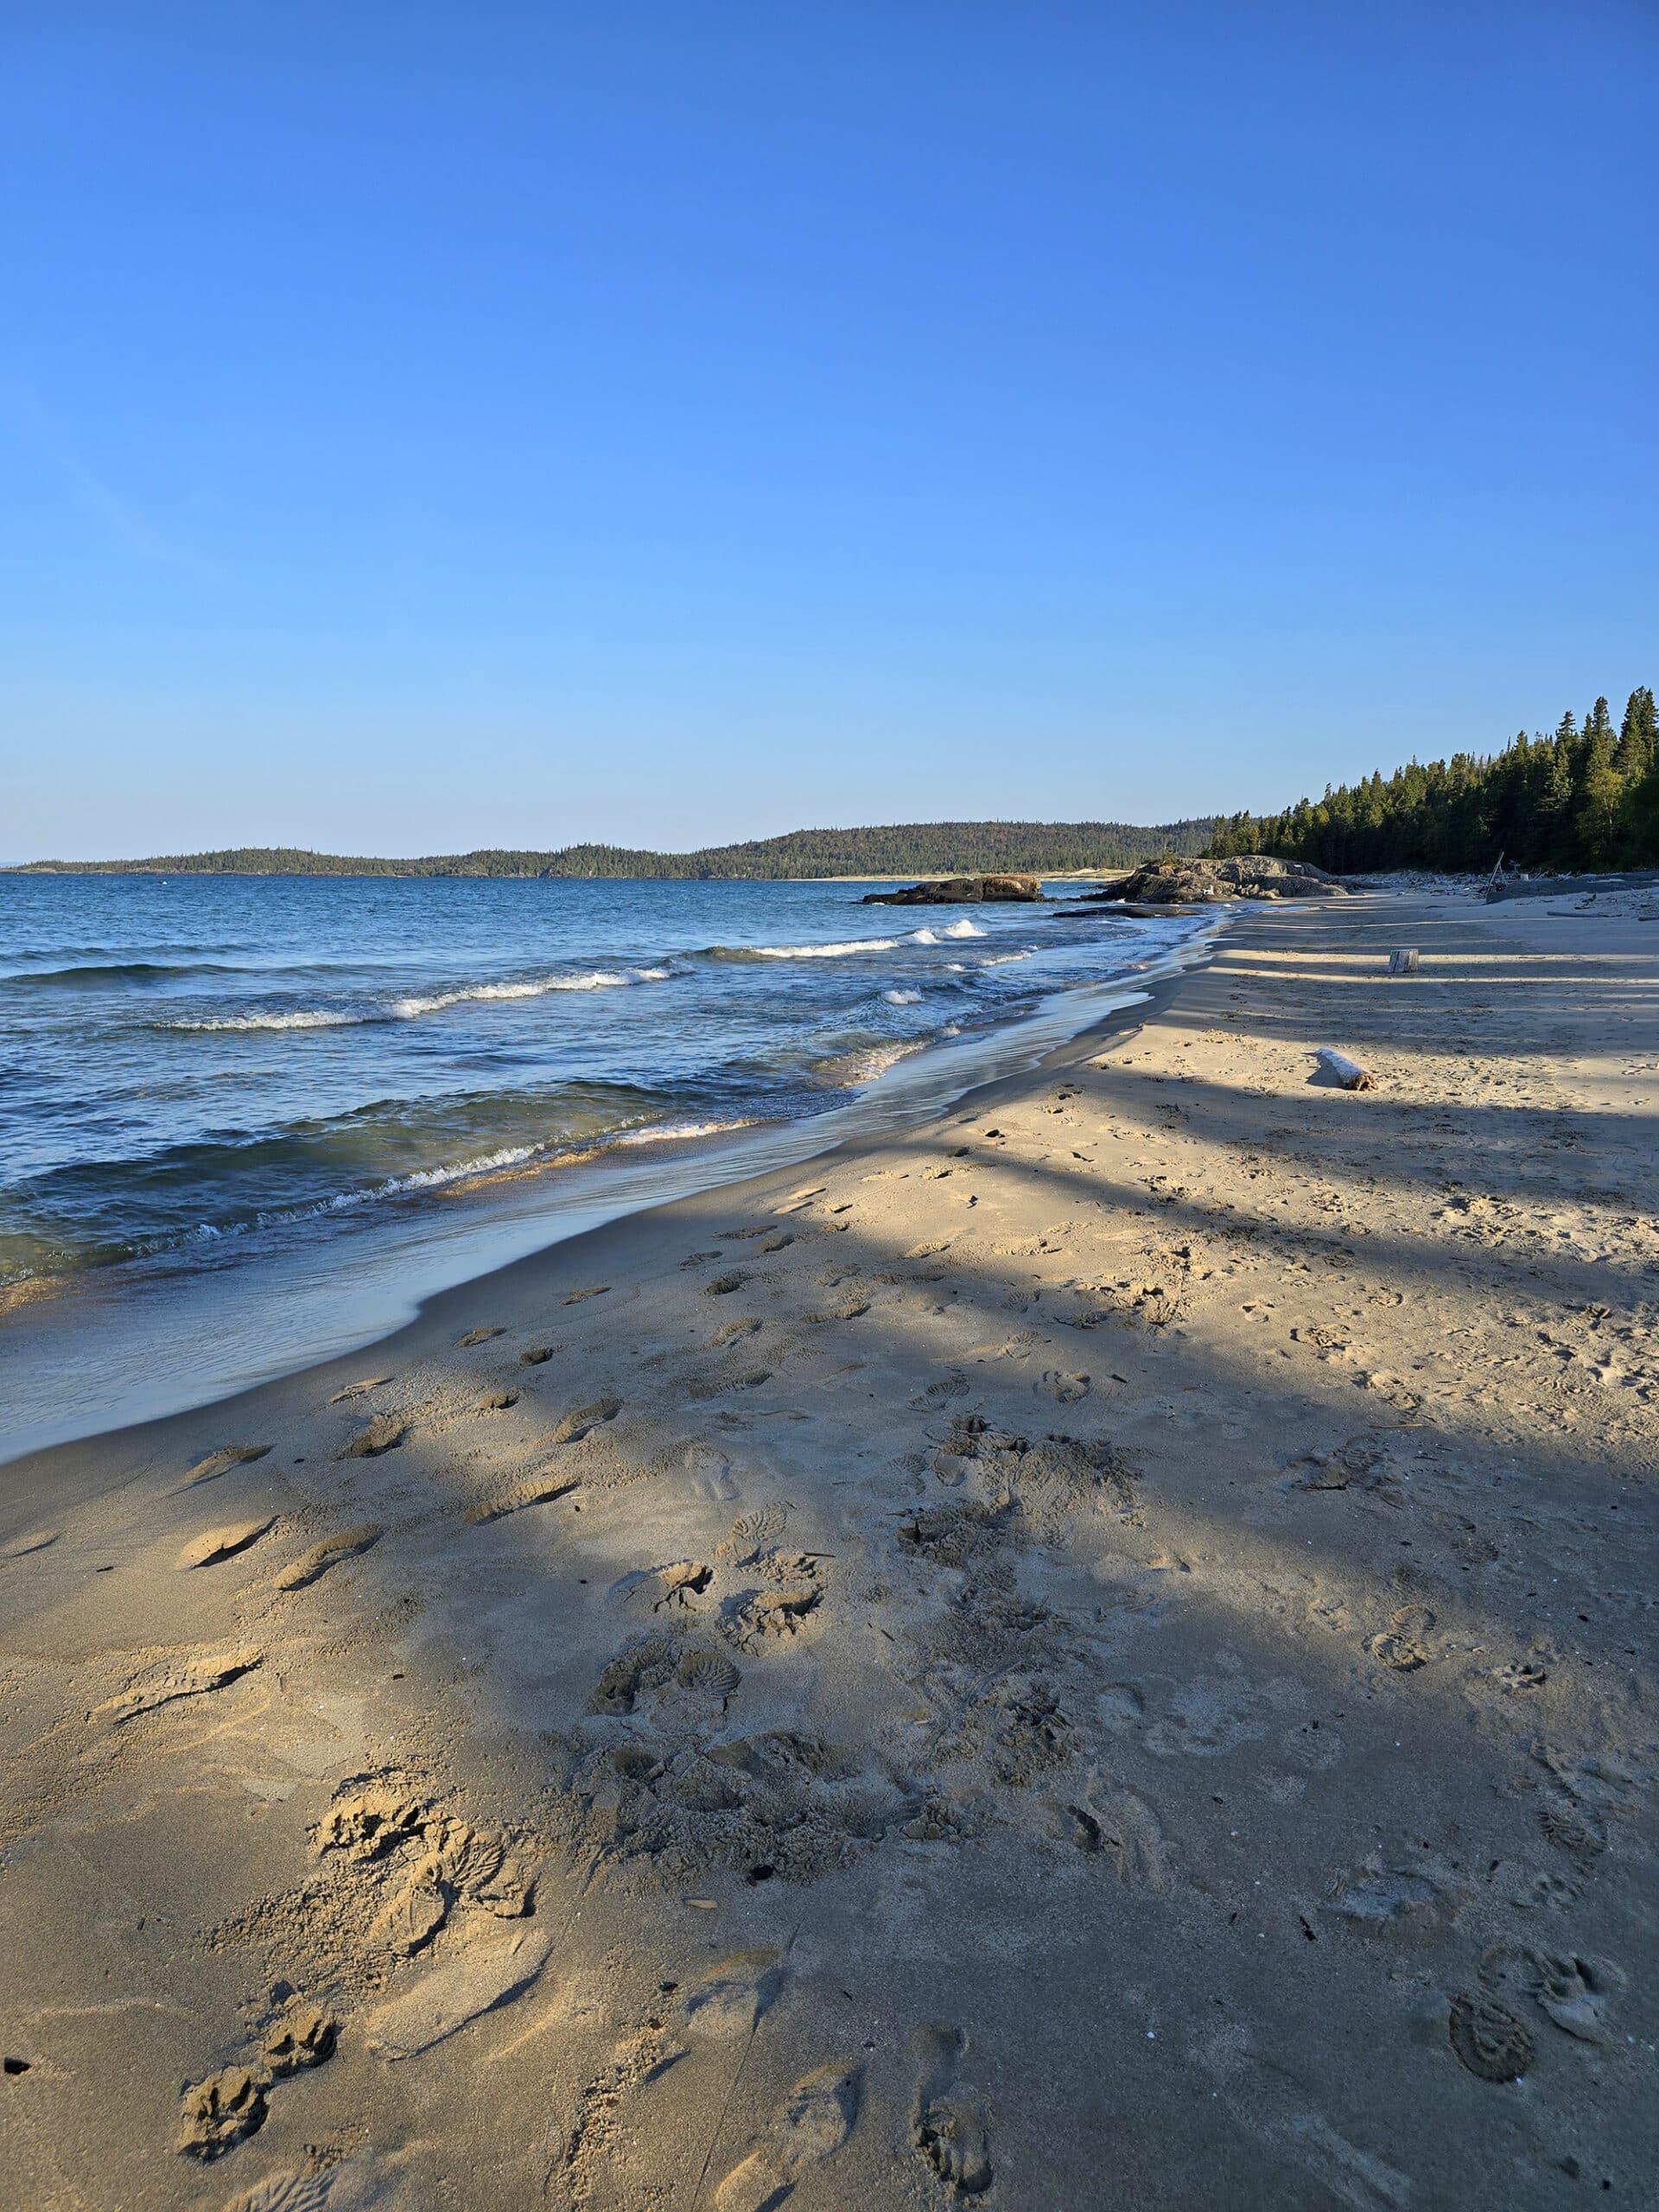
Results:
x,y
538,1356
495,1402
1402,1645
192,1678
36,1541
450,1996
951,1386
818,2114
538,1490
475,1337
220,1462
594,1290
383,1433
1066,1389
947,2126
216,1544
681,1583
705,1469
1488,2039
289,2192
753,1532
1123,1828
723,1285
576,1425
729,1332
730,2000
370,1815
330,1553
359,1389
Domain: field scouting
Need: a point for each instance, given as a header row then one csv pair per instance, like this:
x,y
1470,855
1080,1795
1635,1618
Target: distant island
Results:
x,y
899,850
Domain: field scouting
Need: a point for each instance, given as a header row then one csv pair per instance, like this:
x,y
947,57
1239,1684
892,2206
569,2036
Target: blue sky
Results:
x,y
424,426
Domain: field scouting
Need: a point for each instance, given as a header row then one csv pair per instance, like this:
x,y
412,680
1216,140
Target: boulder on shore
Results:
x,y
1252,875
959,891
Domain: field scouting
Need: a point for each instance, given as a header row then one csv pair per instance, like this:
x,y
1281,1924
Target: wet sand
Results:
x,y
1092,1653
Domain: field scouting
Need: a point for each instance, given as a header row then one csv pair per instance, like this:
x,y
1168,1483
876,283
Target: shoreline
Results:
x,y
1114,1615
622,1180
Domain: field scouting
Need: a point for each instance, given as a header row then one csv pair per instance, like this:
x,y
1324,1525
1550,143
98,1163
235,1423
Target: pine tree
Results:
x,y
1638,737
1598,793
1576,797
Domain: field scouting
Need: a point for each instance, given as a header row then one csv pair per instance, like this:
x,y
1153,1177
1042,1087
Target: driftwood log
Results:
x,y
1348,1073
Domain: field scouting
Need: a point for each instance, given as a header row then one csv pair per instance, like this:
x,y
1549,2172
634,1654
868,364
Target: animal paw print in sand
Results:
x,y
1572,1993
222,2112
228,2107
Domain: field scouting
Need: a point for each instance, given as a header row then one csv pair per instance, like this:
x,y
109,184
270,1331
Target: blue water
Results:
x,y
296,1087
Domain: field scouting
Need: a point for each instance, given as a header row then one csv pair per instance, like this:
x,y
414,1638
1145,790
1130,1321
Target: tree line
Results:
x,y
901,848
1581,796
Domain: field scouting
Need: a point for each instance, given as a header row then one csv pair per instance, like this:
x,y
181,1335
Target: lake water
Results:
x,y
327,1098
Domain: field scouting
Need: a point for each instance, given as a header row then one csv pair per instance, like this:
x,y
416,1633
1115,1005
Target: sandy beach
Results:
x,y
1095,1654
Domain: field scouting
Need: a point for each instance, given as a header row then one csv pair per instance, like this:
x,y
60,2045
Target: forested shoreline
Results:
x,y
901,849
1580,797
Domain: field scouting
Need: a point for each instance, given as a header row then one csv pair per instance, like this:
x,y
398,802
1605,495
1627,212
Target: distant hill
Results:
x,y
903,848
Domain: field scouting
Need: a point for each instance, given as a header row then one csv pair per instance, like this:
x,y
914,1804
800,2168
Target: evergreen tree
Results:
x,y
1599,791
1575,799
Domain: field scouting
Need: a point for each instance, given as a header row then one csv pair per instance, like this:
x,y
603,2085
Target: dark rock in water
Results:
x,y
1254,875
960,891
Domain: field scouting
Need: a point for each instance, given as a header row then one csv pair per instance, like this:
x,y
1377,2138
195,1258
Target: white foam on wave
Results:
x,y
599,979
902,998
963,928
859,1068
435,1179
678,1132
316,1019
824,951
1002,959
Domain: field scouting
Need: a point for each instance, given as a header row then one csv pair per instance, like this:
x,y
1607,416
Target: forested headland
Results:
x,y
1582,795
903,848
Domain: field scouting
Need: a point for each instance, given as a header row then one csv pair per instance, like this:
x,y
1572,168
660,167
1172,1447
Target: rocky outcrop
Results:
x,y
960,891
1254,875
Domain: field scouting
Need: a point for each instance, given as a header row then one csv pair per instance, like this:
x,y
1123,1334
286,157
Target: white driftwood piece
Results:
x,y
1348,1073
1403,962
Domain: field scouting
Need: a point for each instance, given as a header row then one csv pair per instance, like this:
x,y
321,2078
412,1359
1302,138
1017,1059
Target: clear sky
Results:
x,y
426,425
